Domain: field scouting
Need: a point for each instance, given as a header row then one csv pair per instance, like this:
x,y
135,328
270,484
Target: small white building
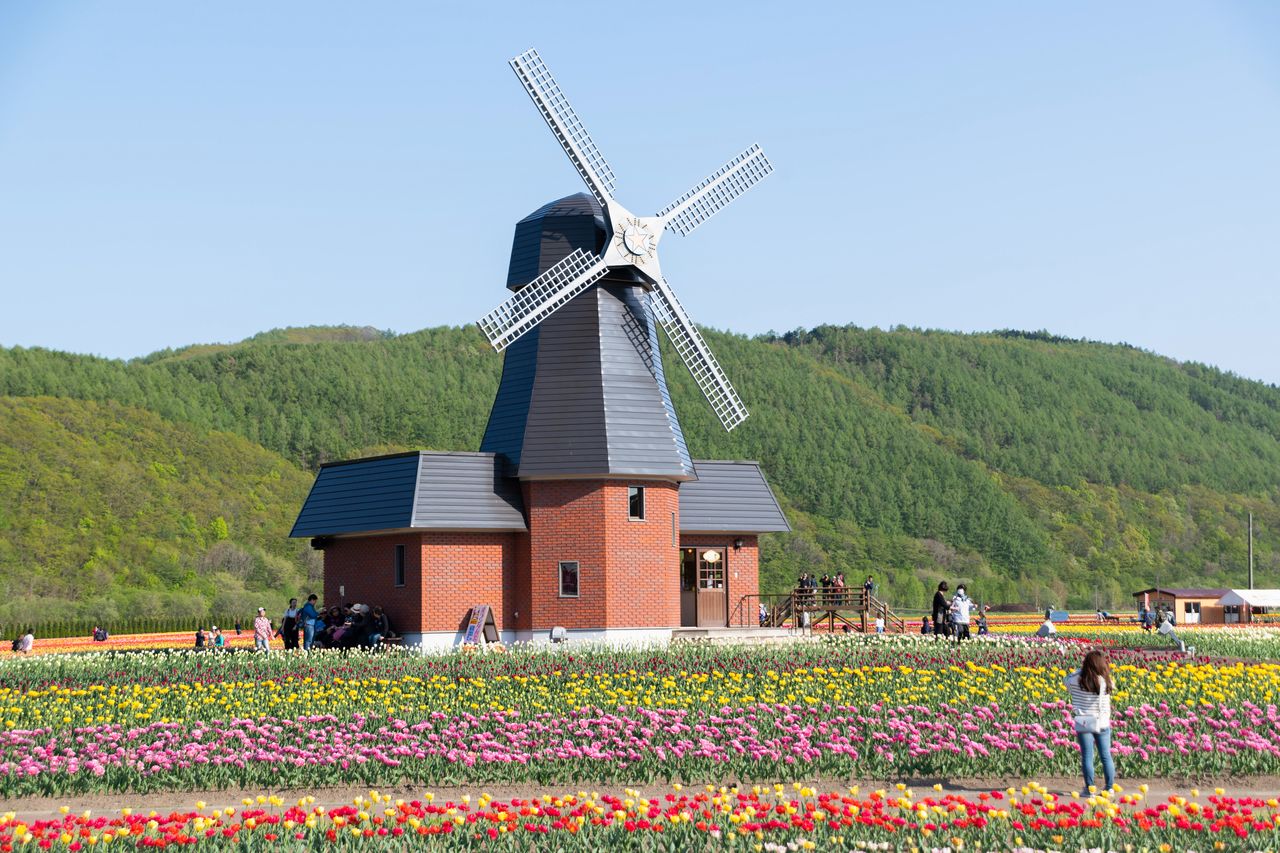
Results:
x,y
1241,606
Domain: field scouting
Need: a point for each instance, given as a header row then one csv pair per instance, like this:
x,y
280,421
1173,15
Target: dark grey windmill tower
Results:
x,y
583,393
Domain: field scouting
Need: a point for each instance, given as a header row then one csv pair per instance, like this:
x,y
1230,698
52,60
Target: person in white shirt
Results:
x,y
1047,628
879,624
1090,688
961,605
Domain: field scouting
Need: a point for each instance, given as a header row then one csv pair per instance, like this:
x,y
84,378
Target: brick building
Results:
x,y
583,508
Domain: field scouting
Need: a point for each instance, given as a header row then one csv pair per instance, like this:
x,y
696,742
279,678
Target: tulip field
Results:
x,y
887,707
775,818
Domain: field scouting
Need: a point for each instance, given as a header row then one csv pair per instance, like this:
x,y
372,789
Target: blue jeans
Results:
x,y
308,633
1102,739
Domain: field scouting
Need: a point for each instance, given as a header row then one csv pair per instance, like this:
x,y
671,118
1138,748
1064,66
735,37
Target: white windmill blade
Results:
x,y
697,356
540,298
709,197
565,124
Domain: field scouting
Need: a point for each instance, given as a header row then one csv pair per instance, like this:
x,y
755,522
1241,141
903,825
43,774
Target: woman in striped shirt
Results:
x,y
1090,688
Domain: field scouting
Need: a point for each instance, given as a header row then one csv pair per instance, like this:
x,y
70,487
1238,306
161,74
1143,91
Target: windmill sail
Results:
x,y
565,124
633,246
712,195
539,298
697,356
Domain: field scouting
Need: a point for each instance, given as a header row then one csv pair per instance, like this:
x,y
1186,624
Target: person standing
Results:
x,y
309,615
262,631
868,587
961,605
200,638
219,641
1090,688
940,610
289,625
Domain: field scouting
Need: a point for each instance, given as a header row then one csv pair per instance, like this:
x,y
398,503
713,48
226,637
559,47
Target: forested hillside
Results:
x,y
109,512
1037,468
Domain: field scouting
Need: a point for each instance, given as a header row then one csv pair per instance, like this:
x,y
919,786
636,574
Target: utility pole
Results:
x,y
1250,550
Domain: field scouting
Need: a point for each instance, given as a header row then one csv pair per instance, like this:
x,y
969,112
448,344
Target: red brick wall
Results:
x,y
463,569
742,566
628,571
366,567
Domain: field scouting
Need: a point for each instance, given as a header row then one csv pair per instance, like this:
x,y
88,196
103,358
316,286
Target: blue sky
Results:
x,y
173,173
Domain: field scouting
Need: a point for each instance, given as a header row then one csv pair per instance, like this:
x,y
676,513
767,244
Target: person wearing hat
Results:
x,y
262,631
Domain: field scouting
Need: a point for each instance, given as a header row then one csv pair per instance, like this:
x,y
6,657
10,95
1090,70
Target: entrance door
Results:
x,y
1191,613
713,591
688,587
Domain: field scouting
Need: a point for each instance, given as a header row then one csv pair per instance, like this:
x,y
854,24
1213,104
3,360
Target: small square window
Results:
x,y
635,502
569,579
399,564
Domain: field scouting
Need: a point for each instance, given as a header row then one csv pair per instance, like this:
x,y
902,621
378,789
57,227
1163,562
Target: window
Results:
x,y
635,502
399,565
710,569
569,579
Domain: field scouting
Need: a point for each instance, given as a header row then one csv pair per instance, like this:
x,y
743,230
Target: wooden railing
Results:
x,y
837,610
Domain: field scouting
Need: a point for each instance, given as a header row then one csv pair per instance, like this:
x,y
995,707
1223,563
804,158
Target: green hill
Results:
x,y
111,513
1035,467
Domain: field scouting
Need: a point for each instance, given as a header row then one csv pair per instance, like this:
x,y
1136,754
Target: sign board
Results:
x,y
480,626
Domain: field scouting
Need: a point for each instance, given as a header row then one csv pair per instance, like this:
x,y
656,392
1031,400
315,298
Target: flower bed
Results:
x,y
776,818
868,706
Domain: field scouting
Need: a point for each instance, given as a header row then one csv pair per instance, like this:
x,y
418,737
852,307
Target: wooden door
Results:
x,y
713,589
688,587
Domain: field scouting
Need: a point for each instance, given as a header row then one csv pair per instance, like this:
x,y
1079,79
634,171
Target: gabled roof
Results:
x,y
419,490
730,497
1252,597
1184,592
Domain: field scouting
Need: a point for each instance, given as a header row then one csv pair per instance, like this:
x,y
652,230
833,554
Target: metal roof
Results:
x,y
551,232
1252,597
730,497
1184,592
420,490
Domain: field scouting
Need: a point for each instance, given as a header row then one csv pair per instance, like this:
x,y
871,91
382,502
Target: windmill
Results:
x,y
628,251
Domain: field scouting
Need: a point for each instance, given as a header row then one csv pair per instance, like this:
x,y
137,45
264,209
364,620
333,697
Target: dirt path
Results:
x,y
33,808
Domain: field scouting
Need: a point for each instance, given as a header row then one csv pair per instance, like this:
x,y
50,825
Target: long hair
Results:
x,y
1096,671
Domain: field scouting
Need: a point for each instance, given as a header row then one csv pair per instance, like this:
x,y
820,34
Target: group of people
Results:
x,y
24,642
954,617
344,627
830,590
339,627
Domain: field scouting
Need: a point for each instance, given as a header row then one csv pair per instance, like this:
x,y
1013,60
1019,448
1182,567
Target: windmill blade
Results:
x,y
540,298
697,356
709,197
565,124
